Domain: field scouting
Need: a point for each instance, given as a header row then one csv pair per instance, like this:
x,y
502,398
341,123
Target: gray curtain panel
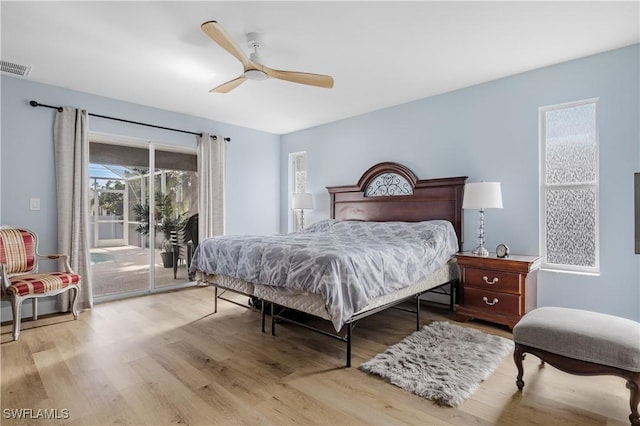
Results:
x,y
71,140
212,154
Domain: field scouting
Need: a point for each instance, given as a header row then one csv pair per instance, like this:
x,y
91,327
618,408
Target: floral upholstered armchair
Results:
x,y
20,278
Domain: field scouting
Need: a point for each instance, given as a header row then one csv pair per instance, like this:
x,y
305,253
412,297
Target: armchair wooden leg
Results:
x,y
16,310
34,304
74,301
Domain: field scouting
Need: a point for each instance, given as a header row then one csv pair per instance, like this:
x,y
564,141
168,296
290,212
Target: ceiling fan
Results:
x,y
253,68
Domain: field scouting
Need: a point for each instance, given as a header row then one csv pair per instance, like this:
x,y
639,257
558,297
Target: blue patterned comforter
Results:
x,y
347,262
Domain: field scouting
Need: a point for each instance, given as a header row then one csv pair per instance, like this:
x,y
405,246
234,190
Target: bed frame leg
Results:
x,y
417,312
273,321
349,325
452,300
215,300
262,314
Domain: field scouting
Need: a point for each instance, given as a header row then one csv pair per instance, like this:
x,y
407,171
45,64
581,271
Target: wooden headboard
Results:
x,y
391,192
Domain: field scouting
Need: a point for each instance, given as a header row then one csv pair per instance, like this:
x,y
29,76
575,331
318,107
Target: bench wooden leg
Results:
x,y
518,357
633,384
582,368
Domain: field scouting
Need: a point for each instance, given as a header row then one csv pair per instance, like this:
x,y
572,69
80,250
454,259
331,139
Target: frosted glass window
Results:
x,y
300,167
569,186
298,184
571,148
571,227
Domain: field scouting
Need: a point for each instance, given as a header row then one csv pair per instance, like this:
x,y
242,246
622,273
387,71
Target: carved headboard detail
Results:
x,y
387,179
391,192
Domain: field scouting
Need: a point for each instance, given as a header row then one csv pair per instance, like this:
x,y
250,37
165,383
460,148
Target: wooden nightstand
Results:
x,y
497,290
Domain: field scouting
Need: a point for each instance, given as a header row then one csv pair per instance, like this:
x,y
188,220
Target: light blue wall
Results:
x,y
27,166
486,132
490,132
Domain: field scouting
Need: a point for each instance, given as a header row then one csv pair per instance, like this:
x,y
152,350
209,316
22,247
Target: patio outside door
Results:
x,y
129,237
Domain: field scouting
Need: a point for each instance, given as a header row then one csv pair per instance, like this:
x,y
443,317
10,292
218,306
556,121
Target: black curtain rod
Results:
x,y
59,108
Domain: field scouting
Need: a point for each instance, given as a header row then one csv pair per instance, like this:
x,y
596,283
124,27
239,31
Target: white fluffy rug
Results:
x,y
443,362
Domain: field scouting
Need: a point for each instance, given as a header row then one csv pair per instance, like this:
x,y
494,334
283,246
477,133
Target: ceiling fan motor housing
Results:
x,y
254,42
255,75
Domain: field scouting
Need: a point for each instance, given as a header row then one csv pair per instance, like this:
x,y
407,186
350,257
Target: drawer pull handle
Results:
x,y
495,300
493,281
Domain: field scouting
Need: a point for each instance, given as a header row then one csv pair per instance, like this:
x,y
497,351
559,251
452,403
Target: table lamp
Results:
x,y
302,201
482,195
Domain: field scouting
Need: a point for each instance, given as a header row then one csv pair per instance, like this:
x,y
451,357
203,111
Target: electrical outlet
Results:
x,y
34,204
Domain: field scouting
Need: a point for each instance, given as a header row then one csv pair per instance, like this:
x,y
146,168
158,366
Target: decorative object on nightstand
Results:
x,y
499,290
502,251
302,201
482,195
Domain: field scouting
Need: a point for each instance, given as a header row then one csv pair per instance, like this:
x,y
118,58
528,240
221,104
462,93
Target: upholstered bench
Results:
x,y
584,343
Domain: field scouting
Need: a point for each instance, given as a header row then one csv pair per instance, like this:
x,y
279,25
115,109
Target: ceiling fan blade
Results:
x,y
229,85
318,80
220,36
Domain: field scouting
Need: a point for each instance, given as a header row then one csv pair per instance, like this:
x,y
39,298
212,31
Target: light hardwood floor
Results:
x,y
166,359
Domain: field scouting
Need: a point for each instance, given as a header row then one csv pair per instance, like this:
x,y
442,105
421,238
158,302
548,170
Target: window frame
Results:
x,y
544,188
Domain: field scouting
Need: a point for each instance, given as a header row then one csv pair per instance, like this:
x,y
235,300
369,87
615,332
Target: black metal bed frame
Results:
x,y
345,337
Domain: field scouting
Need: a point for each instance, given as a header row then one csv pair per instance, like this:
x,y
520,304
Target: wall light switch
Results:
x,y
34,204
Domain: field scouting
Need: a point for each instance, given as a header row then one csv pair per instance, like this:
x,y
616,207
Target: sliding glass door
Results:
x,y
176,202
142,197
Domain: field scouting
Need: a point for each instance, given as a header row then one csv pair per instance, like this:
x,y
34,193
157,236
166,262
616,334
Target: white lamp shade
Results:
x,y
302,200
482,195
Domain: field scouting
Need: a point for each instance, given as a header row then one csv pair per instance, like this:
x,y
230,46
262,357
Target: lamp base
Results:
x,y
480,251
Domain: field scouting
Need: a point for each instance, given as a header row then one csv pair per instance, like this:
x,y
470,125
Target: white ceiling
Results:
x,y
379,53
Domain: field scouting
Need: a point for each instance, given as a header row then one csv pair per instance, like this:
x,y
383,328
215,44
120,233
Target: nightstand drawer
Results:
x,y
492,280
490,301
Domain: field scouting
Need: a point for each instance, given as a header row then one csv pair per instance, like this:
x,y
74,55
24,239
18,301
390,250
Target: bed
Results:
x,y
388,210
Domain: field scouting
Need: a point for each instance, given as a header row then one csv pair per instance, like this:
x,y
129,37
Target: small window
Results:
x,y
297,184
569,187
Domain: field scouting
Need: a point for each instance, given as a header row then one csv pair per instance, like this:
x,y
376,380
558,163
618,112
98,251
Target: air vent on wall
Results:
x,y
15,69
